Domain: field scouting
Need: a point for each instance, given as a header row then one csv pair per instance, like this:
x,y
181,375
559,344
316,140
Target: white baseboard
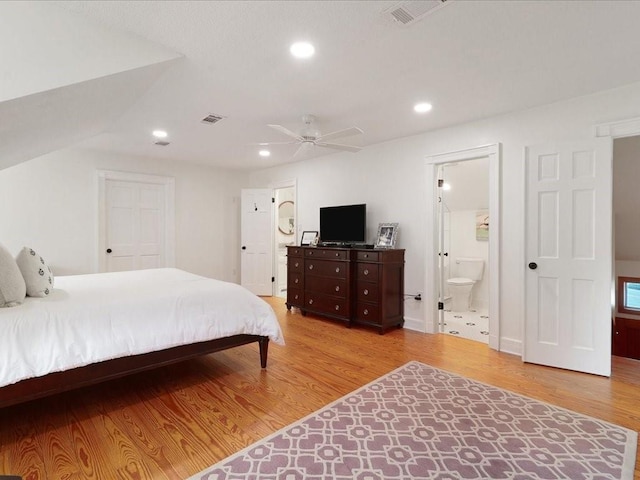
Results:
x,y
416,324
510,345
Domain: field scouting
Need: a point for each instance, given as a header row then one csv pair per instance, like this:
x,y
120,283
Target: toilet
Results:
x,y
468,271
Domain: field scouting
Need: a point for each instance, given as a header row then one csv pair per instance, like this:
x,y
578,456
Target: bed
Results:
x,y
98,327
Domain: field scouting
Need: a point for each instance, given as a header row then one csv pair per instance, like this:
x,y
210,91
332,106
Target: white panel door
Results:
x,y
256,257
134,225
568,272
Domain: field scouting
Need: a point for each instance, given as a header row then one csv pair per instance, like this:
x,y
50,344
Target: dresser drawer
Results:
x,y
326,268
368,256
295,280
326,253
326,304
367,271
295,264
328,286
294,252
295,296
367,292
367,312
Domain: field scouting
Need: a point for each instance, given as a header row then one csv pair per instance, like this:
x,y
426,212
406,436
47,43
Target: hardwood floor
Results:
x,y
172,422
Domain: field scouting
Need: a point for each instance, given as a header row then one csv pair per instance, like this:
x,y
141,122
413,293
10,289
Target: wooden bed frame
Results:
x,y
57,382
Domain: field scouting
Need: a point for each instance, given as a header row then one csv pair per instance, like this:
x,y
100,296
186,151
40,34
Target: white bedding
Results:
x,y
95,317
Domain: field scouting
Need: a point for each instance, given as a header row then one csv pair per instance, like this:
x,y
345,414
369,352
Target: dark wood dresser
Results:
x,y
353,285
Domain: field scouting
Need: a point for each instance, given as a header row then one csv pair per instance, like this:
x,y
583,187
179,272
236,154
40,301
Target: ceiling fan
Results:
x,y
310,136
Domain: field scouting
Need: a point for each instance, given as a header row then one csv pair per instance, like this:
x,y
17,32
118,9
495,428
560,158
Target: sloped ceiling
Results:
x,y
64,79
470,59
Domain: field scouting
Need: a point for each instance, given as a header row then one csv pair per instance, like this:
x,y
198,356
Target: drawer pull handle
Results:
x,y
297,264
296,280
296,297
337,254
366,291
310,253
366,312
337,269
337,288
311,301
366,255
310,267
337,307
366,272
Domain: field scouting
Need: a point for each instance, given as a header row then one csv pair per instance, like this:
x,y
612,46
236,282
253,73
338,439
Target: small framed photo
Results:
x,y
387,234
309,237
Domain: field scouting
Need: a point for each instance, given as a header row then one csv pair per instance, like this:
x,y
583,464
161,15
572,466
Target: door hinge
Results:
x,y
273,200
440,182
440,305
273,279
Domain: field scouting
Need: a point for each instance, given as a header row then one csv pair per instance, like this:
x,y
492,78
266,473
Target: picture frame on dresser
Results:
x,y
309,237
387,235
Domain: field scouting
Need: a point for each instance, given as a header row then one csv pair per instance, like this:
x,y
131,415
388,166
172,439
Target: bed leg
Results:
x,y
264,349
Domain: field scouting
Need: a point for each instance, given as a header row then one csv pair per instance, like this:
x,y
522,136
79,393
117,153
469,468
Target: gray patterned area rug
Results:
x,y
420,422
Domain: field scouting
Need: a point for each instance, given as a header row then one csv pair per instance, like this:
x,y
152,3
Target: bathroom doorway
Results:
x,y
463,226
285,229
434,292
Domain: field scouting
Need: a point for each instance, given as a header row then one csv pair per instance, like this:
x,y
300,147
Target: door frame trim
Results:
x,y
493,152
291,183
102,176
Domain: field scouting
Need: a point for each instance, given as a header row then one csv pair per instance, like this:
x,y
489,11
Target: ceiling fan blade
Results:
x,y
341,133
266,144
303,148
336,146
286,131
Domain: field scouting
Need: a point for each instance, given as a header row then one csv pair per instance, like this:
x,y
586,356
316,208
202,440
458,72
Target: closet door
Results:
x,y
135,226
568,263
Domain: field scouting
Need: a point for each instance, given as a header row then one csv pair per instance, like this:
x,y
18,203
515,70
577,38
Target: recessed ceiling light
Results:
x,y
264,153
422,107
159,134
302,50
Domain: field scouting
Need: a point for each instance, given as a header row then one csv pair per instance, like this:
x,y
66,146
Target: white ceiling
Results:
x,y
470,59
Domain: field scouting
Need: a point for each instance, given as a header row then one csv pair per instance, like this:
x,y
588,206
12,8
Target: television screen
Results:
x,y
343,224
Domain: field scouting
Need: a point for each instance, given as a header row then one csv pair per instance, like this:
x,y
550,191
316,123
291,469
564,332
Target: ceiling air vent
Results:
x,y
162,143
407,13
211,118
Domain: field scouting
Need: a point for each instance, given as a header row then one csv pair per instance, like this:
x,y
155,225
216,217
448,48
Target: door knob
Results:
x,y
109,250
533,265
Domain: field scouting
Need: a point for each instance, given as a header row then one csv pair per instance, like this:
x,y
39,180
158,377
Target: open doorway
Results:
x,y
626,205
433,304
284,235
463,223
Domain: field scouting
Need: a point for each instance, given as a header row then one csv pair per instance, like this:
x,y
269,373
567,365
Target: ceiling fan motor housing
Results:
x,y
308,132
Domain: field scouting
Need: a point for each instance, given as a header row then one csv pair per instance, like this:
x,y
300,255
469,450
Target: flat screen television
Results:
x,y
343,224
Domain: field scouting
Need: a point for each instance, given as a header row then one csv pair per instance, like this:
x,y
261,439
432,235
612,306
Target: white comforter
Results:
x,y
90,318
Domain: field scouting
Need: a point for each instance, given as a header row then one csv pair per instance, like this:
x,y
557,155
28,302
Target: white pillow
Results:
x,y
12,285
37,274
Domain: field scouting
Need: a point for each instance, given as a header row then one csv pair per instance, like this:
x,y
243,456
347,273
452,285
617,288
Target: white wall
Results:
x,y
390,178
51,204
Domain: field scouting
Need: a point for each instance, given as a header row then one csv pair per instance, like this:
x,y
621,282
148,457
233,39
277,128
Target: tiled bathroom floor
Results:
x,y
473,325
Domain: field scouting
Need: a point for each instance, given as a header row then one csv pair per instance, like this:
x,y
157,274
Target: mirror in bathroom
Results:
x,y
285,218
